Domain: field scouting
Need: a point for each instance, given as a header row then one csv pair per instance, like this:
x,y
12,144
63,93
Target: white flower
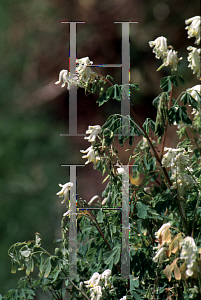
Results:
x,y
104,201
183,182
160,47
194,28
168,158
161,230
96,292
83,75
124,298
177,159
121,170
192,90
67,78
159,257
93,131
92,155
64,191
93,198
106,274
194,59
172,59
94,281
189,253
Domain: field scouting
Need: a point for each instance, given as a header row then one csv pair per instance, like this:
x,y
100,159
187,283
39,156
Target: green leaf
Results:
x,y
183,115
100,216
173,79
117,255
141,210
91,253
181,79
166,84
47,267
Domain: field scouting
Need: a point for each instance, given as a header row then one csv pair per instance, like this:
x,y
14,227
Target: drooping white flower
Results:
x,y
172,59
194,28
96,293
169,156
194,60
182,183
93,131
106,274
94,281
67,78
189,253
92,155
160,255
160,232
83,76
124,298
64,191
104,201
177,159
193,90
96,197
160,47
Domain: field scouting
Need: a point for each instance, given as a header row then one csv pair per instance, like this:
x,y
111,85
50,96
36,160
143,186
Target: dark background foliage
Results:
x,y
34,112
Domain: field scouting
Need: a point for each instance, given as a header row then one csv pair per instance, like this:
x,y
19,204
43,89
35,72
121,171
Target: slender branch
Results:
x,y
86,297
29,279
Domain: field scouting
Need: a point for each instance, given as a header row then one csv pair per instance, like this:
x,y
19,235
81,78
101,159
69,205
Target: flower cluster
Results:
x,y
194,60
193,30
163,236
95,284
91,153
161,50
178,160
189,253
84,74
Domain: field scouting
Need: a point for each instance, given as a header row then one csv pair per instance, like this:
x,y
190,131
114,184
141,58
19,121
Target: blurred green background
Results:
x,y
34,112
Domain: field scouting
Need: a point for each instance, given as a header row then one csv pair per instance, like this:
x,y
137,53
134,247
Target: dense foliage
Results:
x,y
164,208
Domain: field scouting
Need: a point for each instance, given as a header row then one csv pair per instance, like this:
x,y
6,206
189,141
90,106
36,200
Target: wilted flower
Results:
x,y
189,253
160,232
92,155
194,59
172,59
64,191
194,28
93,131
160,47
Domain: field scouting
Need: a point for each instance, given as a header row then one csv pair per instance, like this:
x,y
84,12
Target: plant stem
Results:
x,y
166,124
86,297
